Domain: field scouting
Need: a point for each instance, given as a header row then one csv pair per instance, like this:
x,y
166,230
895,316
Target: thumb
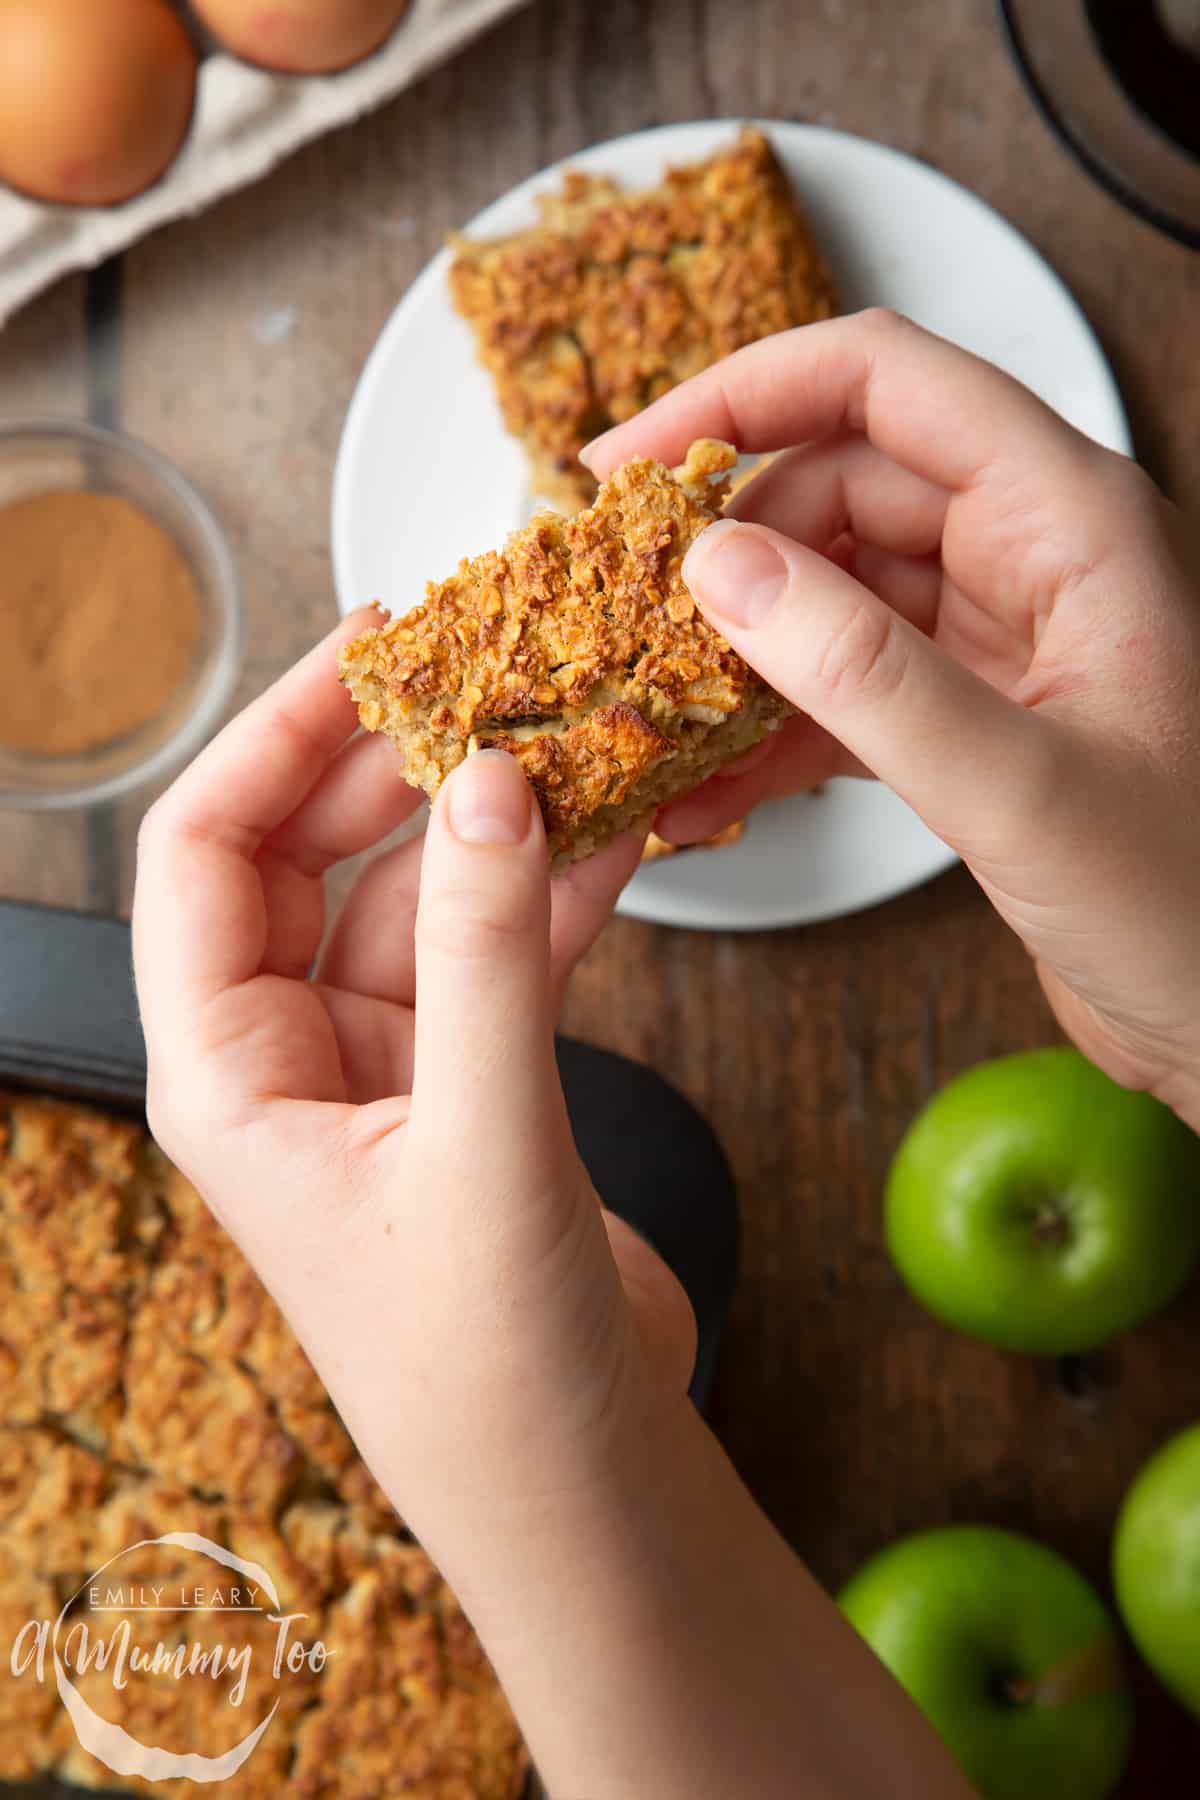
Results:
x,y
484,1071
977,766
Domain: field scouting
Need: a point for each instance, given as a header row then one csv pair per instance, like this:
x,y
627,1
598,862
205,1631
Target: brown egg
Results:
x,y
95,96
301,37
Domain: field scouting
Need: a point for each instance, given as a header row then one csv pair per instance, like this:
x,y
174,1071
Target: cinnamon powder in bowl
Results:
x,y
118,616
86,577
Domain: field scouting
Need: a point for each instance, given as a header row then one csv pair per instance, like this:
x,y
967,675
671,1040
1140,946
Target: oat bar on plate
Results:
x,y
615,298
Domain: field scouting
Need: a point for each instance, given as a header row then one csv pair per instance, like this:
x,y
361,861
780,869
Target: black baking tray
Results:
x,y
68,1013
69,1027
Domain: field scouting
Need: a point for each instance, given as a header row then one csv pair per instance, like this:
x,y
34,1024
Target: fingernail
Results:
x,y
735,573
585,455
489,800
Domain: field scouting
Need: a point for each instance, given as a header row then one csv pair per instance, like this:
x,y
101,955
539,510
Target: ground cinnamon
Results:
x,y
99,617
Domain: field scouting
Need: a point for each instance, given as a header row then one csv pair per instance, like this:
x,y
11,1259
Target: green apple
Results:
x,y
1156,1564
1010,1655
1037,1205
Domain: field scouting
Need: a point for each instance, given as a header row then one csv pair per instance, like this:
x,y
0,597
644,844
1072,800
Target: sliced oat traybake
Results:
x,y
615,297
149,1385
578,649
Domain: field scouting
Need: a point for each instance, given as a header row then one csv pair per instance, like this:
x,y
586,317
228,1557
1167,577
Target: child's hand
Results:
x,y
388,1140
970,600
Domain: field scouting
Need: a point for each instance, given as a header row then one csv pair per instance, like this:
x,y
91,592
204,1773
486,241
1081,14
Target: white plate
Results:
x,y
427,474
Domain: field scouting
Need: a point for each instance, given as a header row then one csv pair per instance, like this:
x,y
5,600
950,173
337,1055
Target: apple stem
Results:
x,y
1096,1670
1051,1226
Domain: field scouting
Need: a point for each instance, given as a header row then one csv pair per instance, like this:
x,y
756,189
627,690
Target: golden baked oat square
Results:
x,y
148,1385
615,297
577,649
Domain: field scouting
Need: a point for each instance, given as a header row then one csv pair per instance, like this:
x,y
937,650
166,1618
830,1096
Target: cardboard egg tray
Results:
x,y
246,119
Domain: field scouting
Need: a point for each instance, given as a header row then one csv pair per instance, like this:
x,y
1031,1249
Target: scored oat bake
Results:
x,y
148,1384
578,650
615,298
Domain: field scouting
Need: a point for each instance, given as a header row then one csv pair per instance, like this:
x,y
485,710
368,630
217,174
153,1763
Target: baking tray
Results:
x,y
69,1027
68,1013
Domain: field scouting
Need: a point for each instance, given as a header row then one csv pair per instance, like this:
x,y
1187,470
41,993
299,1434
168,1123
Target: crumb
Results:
x,y
656,846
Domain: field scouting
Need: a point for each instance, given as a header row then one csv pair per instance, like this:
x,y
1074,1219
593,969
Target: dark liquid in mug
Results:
x,y
1158,73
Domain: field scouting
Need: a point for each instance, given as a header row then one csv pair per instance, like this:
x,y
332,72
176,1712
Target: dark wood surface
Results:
x,y
232,342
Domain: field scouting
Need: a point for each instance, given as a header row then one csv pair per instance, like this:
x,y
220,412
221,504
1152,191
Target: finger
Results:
x,y
582,899
801,756
361,797
817,493
658,1300
370,946
256,772
937,410
979,769
484,1071
865,512
375,1043
200,916
911,585
294,910
742,765
987,640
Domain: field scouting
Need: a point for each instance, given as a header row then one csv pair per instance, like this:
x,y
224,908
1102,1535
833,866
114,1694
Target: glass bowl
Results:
x,y
43,456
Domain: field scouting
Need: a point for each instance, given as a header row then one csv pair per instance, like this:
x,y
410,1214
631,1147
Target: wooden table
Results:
x,y
233,342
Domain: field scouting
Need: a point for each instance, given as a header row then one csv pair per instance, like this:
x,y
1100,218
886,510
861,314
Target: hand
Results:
x,y
973,602
387,1140
388,1143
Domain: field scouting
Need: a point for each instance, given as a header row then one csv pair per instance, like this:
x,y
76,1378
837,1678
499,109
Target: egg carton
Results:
x,y
246,119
